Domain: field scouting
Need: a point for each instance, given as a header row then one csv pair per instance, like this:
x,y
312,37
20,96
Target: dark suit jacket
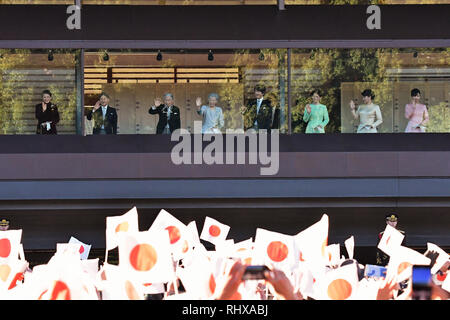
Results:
x,y
263,118
50,114
110,121
174,121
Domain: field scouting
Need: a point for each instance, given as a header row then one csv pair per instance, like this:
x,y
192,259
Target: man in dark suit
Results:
x,y
105,116
258,112
169,115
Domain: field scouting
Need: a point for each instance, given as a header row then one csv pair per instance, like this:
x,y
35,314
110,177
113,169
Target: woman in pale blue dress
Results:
x,y
316,114
212,115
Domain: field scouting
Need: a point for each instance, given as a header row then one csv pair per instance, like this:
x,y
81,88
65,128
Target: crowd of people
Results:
x,y
258,113
169,262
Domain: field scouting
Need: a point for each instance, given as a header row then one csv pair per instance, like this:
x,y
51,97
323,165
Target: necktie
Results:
x,y
258,105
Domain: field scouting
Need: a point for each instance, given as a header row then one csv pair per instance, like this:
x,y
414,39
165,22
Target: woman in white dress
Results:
x,y
369,114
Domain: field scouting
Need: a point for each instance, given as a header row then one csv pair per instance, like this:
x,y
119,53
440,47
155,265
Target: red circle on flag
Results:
x,y
4,272
277,251
81,249
143,257
339,289
441,277
174,234
60,291
5,248
122,227
214,231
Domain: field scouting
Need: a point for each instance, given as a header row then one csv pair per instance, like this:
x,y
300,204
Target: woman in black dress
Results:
x,y
47,115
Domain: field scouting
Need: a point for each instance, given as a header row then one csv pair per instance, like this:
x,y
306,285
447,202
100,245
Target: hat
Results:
x,y
392,217
4,223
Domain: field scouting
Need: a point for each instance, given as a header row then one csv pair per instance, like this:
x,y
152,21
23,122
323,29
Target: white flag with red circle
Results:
x,y
83,249
146,256
213,231
117,225
391,240
311,242
339,284
10,244
273,248
180,238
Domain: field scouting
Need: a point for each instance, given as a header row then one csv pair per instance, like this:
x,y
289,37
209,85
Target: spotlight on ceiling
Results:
x,y
105,56
210,56
50,55
159,56
261,56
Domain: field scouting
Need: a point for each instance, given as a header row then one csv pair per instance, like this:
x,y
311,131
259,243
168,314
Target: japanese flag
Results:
x,y
179,235
213,231
401,261
198,277
441,259
146,256
339,284
311,242
391,240
273,248
117,225
350,246
10,244
83,248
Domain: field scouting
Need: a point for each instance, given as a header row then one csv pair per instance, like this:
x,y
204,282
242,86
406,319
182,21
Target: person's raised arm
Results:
x,y
355,112
307,113
198,103
154,109
96,106
231,283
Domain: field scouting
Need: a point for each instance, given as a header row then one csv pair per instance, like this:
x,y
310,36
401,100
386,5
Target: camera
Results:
x,y
255,272
421,283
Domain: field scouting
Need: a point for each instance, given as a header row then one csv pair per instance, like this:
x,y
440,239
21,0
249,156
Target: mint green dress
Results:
x,y
317,117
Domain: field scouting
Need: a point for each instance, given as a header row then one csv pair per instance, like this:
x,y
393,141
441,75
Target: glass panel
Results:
x,y
143,2
343,74
24,75
134,79
364,2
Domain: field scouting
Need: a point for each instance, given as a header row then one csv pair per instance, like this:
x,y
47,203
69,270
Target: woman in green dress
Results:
x,y
316,114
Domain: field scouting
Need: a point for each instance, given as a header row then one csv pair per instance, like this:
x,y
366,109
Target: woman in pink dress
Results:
x,y
416,113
